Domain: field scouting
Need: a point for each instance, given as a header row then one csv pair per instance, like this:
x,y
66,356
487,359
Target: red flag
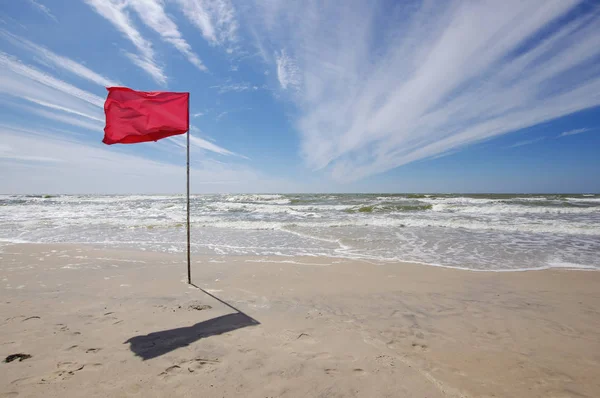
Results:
x,y
140,116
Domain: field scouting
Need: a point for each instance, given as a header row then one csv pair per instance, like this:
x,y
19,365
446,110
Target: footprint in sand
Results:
x,y
190,366
197,306
109,317
385,360
87,350
420,347
293,337
170,371
334,371
64,372
65,329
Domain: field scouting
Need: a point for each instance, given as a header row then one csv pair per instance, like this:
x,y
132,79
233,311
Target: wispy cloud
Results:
x,y
573,132
75,167
225,113
114,11
57,113
235,87
25,81
74,121
42,8
216,20
60,61
201,143
379,92
63,108
288,73
153,14
527,142
51,98
149,66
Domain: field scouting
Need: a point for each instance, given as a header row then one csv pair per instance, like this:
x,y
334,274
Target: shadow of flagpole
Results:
x,y
224,302
155,344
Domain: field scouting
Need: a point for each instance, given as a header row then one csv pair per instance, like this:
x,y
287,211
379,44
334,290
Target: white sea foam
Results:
x,y
499,208
494,232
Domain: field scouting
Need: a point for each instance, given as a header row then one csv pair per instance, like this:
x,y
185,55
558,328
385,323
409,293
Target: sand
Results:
x,y
114,323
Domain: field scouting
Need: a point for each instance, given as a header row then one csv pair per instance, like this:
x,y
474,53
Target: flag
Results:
x,y
140,116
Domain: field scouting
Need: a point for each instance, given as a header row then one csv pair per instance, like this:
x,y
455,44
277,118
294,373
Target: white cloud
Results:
x,y
382,91
114,11
527,142
43,9
8,152
215,18
11,64
235,87
225,113
74,167
198,114
64,109
39,88
89,123
61,61
200,143
288,73
74,121
153,14
149,66
65,103
573,132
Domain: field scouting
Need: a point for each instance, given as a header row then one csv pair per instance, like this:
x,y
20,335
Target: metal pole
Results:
x,y
189,267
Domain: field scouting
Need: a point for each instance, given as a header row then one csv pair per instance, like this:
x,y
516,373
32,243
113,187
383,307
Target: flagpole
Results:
x,y
189,267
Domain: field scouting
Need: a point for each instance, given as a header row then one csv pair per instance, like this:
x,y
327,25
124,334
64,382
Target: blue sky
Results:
x,y
306,96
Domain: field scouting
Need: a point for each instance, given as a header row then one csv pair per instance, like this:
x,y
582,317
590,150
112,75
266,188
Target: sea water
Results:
x,y
476,232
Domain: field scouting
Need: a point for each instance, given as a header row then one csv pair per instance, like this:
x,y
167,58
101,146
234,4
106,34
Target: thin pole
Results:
x,y
189,267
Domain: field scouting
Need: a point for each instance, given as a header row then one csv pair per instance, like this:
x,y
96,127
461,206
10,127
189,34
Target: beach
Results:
x,y
113,322
298,199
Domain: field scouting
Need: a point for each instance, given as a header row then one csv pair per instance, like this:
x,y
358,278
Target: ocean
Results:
x,y
474,232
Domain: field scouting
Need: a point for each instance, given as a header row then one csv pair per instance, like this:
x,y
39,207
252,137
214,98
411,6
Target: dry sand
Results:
x,y
108,323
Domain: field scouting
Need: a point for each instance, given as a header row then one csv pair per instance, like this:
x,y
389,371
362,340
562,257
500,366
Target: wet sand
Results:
x,y
118,323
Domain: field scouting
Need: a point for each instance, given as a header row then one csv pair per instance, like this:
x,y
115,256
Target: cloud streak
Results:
x,y
74,167
200,143
37,87
114,12
216,20
527,142
61,61
63,102
381,87
288,73
573,132
42,8
235,87
153,14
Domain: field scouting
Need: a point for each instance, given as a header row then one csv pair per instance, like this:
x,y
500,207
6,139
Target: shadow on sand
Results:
x,y
159,343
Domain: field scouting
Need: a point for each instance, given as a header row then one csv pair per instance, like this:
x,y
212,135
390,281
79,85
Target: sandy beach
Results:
x,y
115,323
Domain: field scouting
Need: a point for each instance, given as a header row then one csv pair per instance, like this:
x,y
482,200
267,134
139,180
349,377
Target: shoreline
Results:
x,y
516,232
122,322
566,267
